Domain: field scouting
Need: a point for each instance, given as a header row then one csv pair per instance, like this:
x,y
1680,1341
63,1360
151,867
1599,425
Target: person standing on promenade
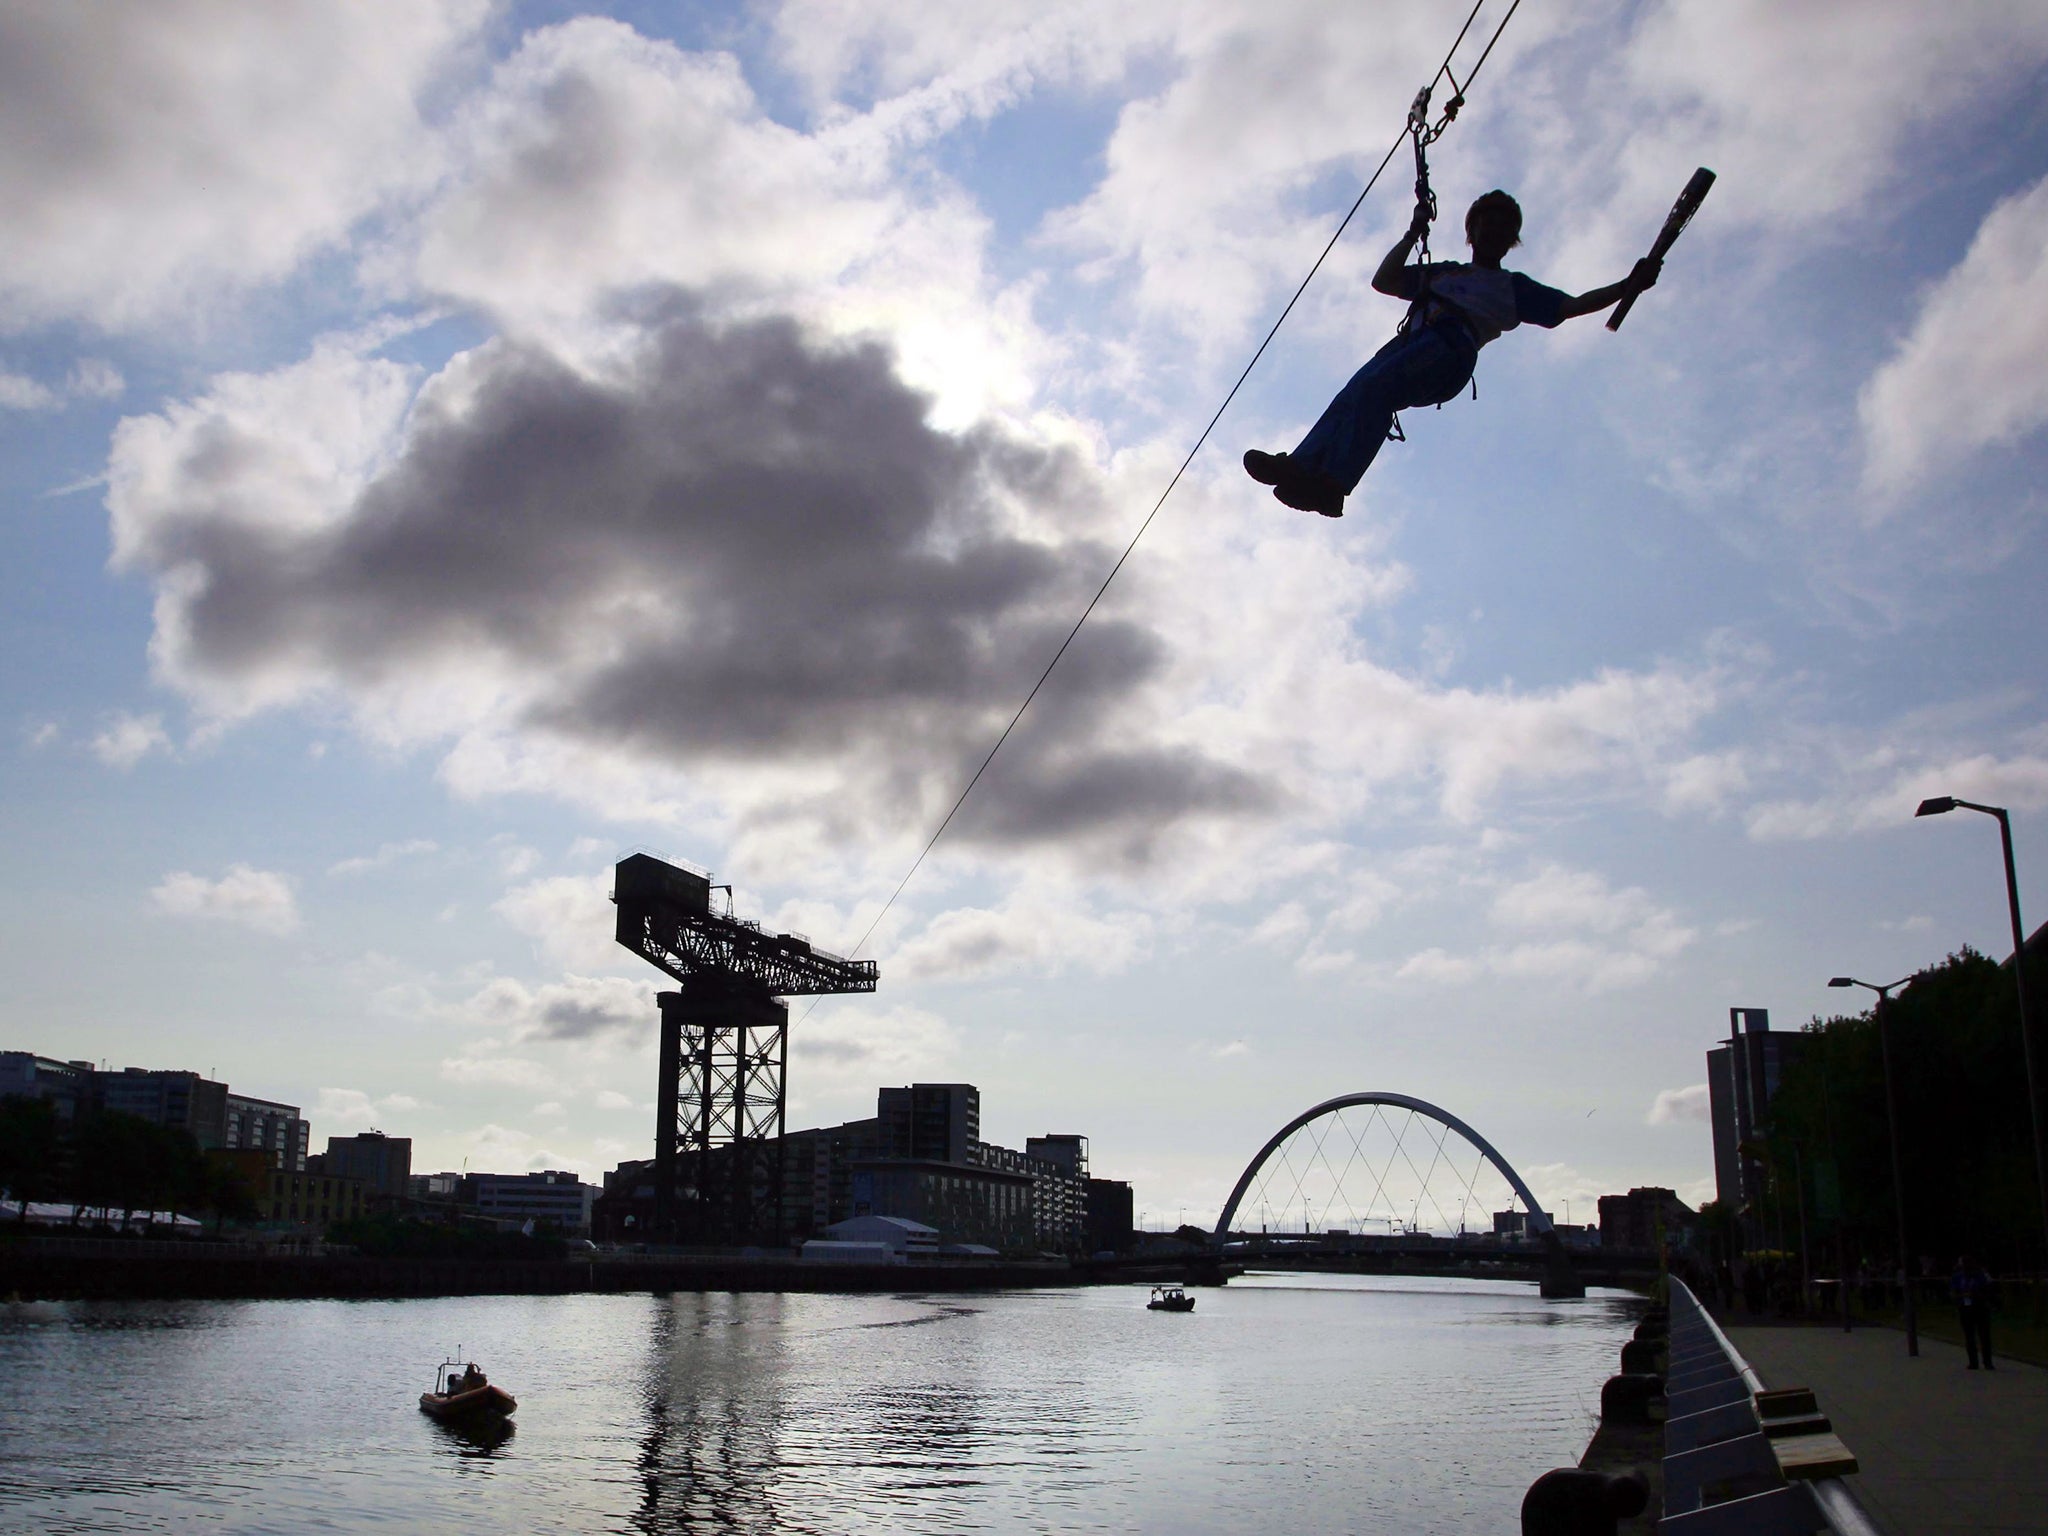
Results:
x,y
1970,1288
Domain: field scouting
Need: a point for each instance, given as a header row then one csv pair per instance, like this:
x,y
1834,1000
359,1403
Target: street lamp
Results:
x,y
1941,805
1891,1113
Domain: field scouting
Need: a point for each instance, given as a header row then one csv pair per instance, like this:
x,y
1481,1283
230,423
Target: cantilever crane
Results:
x,y
724,1047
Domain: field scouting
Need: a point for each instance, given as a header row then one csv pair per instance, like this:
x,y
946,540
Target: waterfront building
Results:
x,y
1059,1197
264,1126
1743,1074
441,1186
550,1198
835,1172
935,1122
903,1240
383,1163
184,1100
1110,1223
1644,1220
1510,1223
66,1084
311,1200
968,1203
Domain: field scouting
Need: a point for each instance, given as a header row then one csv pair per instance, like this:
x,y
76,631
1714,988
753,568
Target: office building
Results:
x,y
439,1186
1645,1220
1110,1227
548,1199
383,1163
263,1126
1743,1074
963,1202
310,1201
66,1084
181,1099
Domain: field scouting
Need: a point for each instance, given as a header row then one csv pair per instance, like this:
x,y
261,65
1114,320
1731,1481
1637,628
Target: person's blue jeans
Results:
x,y
1422,367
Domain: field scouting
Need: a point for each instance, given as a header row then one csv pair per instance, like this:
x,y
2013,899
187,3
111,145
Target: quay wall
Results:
x,y
146,1276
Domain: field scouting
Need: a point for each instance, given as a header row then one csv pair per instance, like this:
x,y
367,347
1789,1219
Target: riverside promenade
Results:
x,y
1942,1448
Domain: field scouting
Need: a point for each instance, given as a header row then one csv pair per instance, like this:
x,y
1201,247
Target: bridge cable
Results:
x,y
1443,71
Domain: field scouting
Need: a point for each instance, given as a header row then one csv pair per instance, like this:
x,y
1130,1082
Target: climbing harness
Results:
x,y
1423,133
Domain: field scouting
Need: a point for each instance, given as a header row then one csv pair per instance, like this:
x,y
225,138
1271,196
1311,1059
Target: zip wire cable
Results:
x,y
1443,71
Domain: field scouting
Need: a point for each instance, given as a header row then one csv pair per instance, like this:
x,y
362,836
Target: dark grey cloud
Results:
x,y
743,547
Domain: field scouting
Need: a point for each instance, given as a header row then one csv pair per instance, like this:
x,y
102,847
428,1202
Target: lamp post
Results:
x,y
1891,1114
1940,805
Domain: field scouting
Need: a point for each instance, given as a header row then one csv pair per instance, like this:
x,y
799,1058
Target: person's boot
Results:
x,y
1310,490
1266,468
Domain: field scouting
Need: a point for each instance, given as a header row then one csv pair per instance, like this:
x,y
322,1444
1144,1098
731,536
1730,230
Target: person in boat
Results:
x,y
1455,308
471,1379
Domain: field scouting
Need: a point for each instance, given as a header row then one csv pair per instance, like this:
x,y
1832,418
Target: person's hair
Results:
x,y
1496,199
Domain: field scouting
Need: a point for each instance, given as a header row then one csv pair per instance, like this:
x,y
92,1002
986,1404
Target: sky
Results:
x,y
445,446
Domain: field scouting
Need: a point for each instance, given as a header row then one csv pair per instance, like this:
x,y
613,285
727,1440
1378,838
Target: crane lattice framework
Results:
x,y
724,1047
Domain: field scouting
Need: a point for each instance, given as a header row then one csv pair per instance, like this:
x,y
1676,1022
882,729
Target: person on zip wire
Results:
x,y
1456,307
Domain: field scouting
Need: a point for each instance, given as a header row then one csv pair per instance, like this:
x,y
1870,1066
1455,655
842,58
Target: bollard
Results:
x,y
1628,1399
1573,1502
1639,1357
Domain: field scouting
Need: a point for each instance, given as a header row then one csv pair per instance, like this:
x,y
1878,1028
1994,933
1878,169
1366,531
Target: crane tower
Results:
x,y
724,1047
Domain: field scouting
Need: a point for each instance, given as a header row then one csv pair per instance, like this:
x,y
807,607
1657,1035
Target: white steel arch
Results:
x,y
1539,1219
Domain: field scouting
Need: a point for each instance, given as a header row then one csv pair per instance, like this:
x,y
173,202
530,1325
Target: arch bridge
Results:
x,y
1559,1279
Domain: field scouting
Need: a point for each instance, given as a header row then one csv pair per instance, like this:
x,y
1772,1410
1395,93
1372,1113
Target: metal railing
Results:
x,y
1714,1442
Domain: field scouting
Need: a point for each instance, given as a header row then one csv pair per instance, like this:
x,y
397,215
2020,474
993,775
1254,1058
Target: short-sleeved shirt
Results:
x,y
1485,301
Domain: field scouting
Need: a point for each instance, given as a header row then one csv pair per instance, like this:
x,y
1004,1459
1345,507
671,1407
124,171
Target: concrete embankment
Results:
x,y
149,1274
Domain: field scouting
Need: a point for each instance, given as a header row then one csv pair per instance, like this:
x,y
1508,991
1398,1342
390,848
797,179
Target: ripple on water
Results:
x,y
1398,1406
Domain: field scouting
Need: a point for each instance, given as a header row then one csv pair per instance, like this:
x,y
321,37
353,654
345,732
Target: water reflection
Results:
x,y
472,1439
714,1390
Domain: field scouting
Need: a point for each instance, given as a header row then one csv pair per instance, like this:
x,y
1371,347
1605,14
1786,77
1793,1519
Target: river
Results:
x,y
1283,1403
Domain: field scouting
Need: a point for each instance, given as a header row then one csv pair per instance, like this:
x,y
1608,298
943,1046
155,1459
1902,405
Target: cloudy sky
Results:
x,y
448,445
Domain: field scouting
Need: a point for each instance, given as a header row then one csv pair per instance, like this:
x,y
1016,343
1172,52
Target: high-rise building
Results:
x,y
265,1126
1743,1075
940,1122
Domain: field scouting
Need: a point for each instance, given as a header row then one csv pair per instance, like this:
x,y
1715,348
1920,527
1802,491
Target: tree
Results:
x,y
31,1150
1964,1129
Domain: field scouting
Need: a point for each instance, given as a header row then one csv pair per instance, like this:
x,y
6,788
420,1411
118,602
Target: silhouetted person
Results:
x,y
1456,307
1970,1288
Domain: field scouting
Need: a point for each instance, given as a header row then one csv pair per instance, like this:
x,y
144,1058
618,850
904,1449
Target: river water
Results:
x,y
1283,1403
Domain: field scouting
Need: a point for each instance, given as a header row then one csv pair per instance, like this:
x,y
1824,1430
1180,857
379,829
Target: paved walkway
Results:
x,y
1942,1448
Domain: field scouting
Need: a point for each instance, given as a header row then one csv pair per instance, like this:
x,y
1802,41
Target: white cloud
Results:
x,y
255,898
128,739
860,1046
19,392
241,139
1968,376
579,1008
1036,932
1881,794
1680,1106
570,919
1597,938
352,1109
387,854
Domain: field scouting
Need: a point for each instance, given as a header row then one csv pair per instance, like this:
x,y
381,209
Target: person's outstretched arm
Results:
x,y
1594,300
